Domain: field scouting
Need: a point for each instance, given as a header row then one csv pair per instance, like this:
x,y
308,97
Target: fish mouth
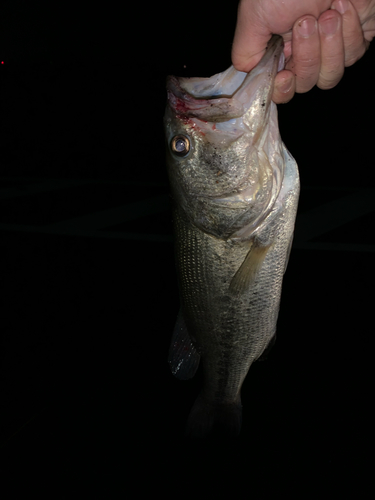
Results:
x,y
230,113
229,95
212,108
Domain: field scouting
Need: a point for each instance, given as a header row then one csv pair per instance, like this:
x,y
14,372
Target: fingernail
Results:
x,y
307,27
285,86
329,26
340,5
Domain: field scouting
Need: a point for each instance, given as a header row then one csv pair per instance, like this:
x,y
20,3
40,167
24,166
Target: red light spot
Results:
x,y
2,62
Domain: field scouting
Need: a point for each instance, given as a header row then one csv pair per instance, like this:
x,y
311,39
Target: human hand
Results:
x,y
321,38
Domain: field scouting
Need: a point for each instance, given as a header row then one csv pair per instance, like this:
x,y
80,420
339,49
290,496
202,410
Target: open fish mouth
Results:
x,y
219,103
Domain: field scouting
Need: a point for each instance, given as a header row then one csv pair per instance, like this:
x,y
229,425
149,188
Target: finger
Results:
x,y
332,63
287,46
354,42
250,39
305,61
285,87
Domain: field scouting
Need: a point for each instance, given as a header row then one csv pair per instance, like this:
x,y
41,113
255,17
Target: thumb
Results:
x,y
250,38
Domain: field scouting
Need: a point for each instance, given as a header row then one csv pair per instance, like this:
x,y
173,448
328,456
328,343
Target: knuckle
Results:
x,y
307,61
306,72
303,86
331,73
306,78
325,83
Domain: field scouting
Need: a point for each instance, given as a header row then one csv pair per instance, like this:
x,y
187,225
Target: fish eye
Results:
x,y
180,145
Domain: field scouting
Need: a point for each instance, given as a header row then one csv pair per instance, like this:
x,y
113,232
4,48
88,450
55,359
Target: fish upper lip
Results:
x,y
224,96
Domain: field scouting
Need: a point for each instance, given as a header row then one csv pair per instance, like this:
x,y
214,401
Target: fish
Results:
x,y
234,195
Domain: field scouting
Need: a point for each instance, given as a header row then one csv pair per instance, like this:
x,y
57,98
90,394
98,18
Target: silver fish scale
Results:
x,y
232,331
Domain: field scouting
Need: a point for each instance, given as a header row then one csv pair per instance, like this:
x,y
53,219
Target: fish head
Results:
x,y
224,151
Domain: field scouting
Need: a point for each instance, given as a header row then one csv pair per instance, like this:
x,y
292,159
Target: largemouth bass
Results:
x,y
235,191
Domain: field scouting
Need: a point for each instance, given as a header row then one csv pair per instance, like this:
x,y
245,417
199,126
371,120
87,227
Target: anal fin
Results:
x,y
183,356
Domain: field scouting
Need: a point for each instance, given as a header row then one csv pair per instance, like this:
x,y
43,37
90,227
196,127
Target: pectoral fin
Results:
x,y
249,269
183,356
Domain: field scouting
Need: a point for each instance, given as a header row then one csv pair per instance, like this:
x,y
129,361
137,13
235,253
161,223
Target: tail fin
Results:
x,y
219,419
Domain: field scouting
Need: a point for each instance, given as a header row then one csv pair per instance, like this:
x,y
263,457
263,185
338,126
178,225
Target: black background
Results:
x,y
89,405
